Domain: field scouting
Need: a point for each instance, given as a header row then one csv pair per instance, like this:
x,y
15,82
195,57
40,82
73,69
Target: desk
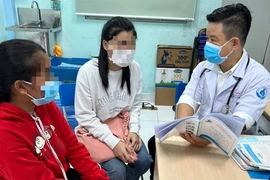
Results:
x,y
266,112
263,125
178,160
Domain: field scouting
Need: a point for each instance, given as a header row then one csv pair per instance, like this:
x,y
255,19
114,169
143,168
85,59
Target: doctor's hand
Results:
x,y
135,141
121,151
194,140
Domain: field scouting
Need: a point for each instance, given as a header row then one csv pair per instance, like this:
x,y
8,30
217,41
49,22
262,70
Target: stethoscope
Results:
x,y
225,108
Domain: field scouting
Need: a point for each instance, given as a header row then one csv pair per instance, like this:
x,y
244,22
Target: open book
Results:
x,y
222,130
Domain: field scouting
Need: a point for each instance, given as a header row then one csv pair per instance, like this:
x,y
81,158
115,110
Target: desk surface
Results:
x,y
177,160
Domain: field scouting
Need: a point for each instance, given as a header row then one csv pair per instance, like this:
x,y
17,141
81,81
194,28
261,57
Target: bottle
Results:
x,y
56,5
52,3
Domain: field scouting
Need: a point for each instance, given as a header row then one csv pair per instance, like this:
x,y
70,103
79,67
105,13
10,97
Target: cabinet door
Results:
x,y
260,28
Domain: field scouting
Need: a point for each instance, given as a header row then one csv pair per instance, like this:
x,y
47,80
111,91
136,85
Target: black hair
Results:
x,y
112,28
236,20
18,61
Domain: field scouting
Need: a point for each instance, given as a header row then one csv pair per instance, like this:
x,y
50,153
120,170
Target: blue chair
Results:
x,y
67,94
178,92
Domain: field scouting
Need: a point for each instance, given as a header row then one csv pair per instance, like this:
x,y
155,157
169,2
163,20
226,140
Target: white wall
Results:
x,y
81,38
260,28
3,34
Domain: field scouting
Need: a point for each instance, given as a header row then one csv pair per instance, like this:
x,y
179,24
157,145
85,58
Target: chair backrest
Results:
x,y
67,94
179,91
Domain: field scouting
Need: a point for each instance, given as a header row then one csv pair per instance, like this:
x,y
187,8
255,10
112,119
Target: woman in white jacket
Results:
x,y
107,86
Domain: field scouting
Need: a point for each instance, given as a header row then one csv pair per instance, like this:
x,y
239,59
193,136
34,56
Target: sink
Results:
x,y
28,21
34,26
31,27
38,25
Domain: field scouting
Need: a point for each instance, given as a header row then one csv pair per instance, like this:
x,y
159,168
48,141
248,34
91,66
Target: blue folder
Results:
x,y
259,174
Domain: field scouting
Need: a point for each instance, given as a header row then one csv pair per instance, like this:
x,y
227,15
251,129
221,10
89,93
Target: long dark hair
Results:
x,y
18,61
112,28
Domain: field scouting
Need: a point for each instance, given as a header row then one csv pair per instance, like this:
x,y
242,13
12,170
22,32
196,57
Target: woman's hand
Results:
x,y
135,141
122,152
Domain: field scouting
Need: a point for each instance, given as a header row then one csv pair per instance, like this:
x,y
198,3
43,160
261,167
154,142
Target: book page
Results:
x,y
188,125
257,149
254,139
165,130
162,126
243,164
235,124
242,155
217,132
162,129
258,153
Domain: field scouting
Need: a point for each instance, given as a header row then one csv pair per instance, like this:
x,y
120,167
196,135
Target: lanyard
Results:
x,y
43,134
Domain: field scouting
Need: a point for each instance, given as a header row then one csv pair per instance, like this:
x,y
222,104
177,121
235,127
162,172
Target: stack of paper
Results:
x,y
253,153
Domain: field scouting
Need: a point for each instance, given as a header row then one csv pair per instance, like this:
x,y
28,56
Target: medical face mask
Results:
x,y
51,90
123,57
212,53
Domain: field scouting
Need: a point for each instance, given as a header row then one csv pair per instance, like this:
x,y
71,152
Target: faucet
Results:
x,y
39,15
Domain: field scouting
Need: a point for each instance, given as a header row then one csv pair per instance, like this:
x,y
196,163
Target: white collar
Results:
x,y
237,70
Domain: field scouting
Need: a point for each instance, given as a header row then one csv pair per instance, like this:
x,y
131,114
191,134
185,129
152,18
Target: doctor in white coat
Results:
x,y
229,82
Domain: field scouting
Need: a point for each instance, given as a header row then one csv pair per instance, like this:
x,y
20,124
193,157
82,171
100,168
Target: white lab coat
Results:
x,y
248,96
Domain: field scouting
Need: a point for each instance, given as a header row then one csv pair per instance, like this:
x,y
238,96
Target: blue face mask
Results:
x,y
51,90
212,53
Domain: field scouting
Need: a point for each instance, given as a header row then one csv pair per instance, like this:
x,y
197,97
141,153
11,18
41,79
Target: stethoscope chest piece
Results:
x,y
225,109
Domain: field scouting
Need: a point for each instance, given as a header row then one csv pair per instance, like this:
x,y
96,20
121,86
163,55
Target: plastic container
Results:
x,y
66,73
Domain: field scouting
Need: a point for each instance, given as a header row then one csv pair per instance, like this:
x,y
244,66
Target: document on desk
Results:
x,y
222,130
255,151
